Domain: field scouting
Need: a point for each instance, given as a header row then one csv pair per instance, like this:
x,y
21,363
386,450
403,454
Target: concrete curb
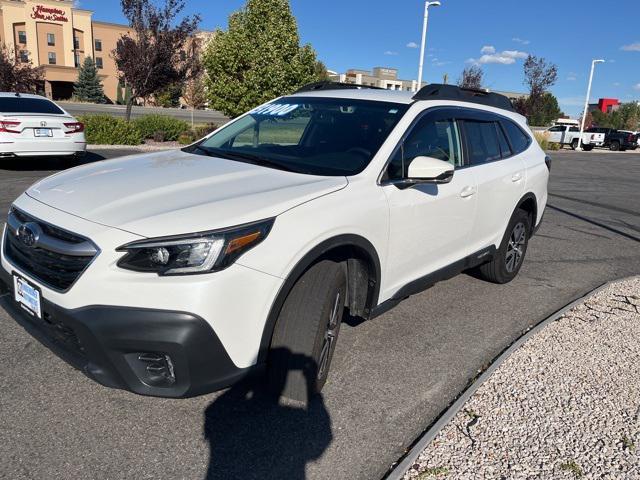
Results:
x,y
398,471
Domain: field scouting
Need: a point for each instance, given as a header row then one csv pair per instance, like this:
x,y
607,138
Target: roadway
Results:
x,y
391,377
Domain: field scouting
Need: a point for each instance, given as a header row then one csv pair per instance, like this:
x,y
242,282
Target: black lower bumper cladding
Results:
x,y
105,343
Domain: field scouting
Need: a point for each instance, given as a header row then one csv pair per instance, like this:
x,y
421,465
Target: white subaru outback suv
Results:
x,y
178,273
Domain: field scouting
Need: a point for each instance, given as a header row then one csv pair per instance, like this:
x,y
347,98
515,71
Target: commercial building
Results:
x,y
605,105
387,77
58,36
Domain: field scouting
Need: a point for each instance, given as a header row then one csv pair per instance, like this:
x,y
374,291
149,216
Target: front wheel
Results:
x,y
587,148
507,261
574,144
306,332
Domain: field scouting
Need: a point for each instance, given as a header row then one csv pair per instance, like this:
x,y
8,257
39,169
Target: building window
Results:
x,y
52,58
76,59
98,45
51,39
76,43
22,37
99,62
24,56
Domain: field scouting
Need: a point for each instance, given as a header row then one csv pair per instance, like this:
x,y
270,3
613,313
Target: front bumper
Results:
x,y
107,342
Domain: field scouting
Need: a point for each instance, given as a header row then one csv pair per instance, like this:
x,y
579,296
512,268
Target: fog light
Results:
x,y
158,369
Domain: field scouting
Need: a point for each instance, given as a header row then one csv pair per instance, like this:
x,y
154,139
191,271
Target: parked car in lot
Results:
x,y
635,135
616,140
31,125
178,273
568,135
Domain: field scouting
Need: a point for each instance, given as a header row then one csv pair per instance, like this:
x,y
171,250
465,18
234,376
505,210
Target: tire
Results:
x,y
306,332
506,263
615,146
574,144
587,148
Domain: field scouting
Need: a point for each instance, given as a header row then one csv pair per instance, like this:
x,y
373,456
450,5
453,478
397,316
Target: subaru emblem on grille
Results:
x,y
43,124
29,233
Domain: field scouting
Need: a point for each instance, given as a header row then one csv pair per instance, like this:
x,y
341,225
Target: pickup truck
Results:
x,y
616,140
567,135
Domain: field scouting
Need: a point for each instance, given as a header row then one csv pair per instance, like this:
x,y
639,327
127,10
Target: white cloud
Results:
x,y
521,41
636,86
616,84
389,52
633,47
572,77
412,45
490,55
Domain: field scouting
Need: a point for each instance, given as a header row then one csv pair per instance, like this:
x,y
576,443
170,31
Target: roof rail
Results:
x,y
438,91
327,85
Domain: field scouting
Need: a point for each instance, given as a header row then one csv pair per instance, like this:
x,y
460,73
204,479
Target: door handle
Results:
x,y
516,177
467,192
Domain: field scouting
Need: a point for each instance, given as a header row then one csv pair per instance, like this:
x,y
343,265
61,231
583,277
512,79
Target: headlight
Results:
x,y
193,253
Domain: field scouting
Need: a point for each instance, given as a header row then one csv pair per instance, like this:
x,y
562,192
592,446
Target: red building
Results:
x,y
607,105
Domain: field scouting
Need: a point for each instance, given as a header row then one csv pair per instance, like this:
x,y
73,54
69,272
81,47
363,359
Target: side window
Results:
x,y
482,140
519,140
557,129
429,138
504,144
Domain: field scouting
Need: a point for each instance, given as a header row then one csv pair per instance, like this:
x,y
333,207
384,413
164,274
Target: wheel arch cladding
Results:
x,y
529,204
363,279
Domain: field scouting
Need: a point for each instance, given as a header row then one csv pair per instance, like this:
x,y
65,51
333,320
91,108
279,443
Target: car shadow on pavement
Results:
x,y
47,163
253,434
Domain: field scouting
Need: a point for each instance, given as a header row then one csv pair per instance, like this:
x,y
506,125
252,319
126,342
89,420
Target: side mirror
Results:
x,y
429,170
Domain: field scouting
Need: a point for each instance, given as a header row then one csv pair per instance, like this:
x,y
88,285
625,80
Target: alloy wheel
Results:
x,y
516,246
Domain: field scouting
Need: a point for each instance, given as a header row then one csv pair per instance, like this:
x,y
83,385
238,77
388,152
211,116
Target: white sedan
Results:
x,y
31,125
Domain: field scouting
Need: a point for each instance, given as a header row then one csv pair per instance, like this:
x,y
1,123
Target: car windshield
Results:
x,y
28,105
318,136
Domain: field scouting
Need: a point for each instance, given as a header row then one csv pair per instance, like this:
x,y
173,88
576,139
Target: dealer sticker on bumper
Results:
x,y
27,296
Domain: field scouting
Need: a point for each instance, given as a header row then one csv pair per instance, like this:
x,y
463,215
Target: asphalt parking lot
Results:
x,y
391,376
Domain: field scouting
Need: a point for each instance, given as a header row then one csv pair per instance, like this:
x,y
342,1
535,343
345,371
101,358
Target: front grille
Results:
x,y
53,268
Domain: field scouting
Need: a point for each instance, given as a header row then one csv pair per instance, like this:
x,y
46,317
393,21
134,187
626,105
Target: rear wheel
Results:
x,y
587,148
306,332
615,146
508,259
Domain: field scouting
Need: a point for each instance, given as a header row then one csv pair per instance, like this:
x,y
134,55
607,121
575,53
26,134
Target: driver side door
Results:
x,y
431,225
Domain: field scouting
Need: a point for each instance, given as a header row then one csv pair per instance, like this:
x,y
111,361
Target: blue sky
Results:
x,y
364,34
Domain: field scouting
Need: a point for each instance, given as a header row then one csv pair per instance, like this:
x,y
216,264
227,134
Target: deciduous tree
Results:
x,y
18,76
156,53
258,58
471,77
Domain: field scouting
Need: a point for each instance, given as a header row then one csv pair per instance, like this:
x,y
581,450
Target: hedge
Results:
x,y
161,128
108,130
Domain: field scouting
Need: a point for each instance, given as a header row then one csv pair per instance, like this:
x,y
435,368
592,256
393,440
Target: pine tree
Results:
x,y
88,88
258,58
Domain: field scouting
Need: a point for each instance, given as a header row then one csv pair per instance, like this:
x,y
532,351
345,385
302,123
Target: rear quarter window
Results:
x,y
28,105
519,140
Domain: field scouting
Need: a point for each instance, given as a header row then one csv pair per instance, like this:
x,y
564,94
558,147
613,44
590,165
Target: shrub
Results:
x,y
161,126
199,132
108,130
543,141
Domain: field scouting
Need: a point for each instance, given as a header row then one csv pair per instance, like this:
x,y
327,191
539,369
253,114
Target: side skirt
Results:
x,y
445,273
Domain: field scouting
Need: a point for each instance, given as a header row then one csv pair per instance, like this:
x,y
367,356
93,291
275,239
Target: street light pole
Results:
x,y
586,101
424,39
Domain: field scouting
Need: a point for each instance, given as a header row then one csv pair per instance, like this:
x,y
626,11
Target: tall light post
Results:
x,y
586,101
424,38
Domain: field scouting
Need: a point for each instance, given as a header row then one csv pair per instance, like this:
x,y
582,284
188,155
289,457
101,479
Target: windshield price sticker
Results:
x,y
275,109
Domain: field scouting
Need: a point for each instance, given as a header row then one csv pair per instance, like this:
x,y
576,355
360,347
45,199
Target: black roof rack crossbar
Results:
x,y
316,86
438,91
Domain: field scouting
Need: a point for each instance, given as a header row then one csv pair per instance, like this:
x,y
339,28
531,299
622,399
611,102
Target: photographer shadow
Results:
x,y
253,434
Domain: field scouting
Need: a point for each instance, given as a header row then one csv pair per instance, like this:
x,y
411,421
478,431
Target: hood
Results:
x,y
174,192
